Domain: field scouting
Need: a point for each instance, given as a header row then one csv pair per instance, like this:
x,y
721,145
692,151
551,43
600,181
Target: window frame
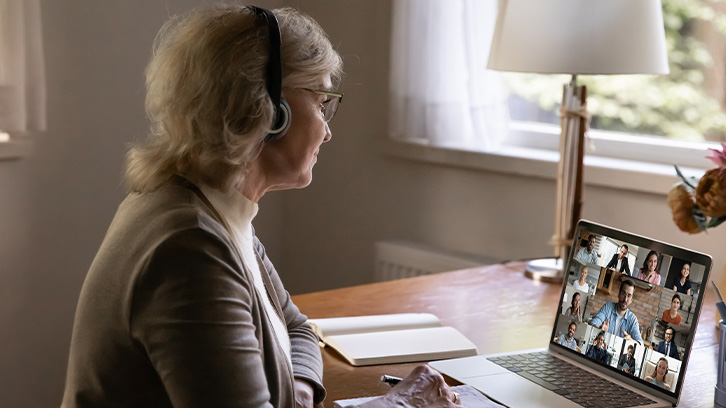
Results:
x,y
531,150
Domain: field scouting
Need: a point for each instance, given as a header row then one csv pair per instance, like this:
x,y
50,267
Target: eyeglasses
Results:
x,y
330,104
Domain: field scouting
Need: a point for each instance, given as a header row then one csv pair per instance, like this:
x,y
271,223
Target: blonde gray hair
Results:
x,y
207,97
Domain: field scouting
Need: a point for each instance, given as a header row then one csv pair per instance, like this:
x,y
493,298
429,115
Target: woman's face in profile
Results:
x,y
288,162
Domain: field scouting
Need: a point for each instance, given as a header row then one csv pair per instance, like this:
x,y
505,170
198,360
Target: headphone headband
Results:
x,y
274,74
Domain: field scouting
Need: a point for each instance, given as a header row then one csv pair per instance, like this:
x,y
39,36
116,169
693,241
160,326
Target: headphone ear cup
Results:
x,y
283,117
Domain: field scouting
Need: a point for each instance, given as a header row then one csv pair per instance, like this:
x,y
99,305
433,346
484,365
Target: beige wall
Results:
x,y
56,204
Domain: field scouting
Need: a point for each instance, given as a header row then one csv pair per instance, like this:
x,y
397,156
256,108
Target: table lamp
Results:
x,y
577,37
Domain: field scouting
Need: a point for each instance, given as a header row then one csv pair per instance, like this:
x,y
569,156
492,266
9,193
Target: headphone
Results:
x,y
274,77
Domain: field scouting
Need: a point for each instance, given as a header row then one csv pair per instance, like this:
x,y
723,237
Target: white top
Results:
x,y
239,211
584,288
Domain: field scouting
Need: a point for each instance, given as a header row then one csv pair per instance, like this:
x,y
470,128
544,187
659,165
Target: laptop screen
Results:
x,y
631,304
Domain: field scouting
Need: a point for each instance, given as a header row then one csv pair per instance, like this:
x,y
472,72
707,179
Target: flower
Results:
x,y
718,157
682,204
711,191
699,205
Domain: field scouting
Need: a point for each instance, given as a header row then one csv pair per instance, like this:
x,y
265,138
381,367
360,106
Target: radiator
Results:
x,y
401,259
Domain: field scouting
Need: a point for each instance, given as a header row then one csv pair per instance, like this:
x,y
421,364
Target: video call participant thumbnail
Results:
x,y
597,350
569,340
588,254
581,284
682,284
649,271
671,315
617,319
667,346
619,261
659,374
627,361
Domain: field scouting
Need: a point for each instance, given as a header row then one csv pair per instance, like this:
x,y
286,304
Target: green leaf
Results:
x,y
689,182
701,219
716,221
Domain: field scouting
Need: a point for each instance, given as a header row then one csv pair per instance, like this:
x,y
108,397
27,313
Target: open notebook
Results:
x,y
394,338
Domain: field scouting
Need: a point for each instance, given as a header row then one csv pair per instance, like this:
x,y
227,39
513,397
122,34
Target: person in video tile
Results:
x,y
597,349
569,340
682,283
617,318
619,262
627,361
574,311
671,315
581,284
588,254
649,271
659,374
666,346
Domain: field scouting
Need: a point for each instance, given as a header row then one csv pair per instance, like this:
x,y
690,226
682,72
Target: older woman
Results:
x,y
649,271
181,306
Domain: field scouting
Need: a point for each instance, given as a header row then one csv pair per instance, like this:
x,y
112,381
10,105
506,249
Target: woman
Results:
x,y
648,271
181,306
659,374
574,311
581,284
683,284
671,315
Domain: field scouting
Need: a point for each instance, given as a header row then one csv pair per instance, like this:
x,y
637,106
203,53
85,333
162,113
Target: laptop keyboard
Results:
x,y
570,381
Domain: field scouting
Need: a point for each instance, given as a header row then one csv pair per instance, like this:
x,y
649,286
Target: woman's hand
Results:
x,y
424,387
303,394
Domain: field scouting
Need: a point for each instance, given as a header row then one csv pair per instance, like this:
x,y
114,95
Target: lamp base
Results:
x,y
548,270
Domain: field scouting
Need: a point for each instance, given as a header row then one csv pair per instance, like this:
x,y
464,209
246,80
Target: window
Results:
x,y
443,96
22,83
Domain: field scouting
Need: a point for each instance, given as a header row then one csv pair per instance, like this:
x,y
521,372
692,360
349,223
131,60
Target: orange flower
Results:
x,y
681,203
711,191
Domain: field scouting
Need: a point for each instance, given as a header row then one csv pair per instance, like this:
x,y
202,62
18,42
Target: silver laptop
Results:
x,y
623,332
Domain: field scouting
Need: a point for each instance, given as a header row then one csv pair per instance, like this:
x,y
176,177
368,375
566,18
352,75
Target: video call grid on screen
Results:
x,y
660,306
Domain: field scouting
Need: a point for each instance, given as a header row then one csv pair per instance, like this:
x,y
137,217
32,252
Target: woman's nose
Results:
x,y
328,133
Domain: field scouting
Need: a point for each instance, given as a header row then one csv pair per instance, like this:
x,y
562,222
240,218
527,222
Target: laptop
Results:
x,y
626,345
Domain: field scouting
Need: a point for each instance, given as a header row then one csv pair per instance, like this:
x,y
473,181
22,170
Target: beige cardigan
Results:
x,y
168,316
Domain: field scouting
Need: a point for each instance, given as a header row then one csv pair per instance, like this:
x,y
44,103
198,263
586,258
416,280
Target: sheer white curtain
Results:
x,y
442,94
22,74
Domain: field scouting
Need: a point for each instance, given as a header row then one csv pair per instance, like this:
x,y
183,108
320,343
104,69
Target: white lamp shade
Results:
x,y
580,37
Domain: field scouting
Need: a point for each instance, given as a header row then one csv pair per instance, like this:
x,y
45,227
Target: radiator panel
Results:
x,y
401,259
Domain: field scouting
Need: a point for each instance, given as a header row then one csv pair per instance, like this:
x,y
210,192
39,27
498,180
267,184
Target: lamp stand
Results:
x,y
574,122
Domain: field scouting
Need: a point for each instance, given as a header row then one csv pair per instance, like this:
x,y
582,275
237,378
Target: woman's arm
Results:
x,y
307,362
191,314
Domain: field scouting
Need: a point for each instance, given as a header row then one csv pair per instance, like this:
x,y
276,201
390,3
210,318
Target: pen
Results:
x,y
390,380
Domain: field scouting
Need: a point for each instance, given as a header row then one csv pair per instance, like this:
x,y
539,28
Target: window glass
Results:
x,y
688,104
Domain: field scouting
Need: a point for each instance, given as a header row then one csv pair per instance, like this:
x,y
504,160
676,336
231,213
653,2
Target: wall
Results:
x,y
360,195
56,204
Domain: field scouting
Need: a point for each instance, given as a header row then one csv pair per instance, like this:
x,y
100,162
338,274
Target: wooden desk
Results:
x,y
495,306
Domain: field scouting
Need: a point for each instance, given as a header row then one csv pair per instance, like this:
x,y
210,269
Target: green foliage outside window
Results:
x,y
674,105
